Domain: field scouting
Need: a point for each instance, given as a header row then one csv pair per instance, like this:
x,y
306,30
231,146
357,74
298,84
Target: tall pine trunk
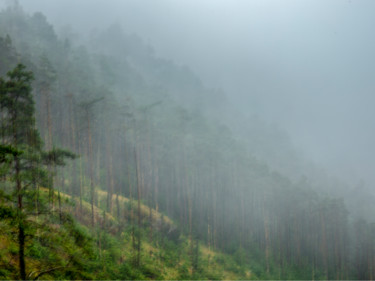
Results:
x,y
21,227
92,187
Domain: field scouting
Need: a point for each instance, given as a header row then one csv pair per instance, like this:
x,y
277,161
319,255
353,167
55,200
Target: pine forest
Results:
x,y
119,164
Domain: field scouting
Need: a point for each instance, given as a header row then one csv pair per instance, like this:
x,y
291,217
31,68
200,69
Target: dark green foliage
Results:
x,y
27,173
17,101
57,156
7,55
6,150
7,212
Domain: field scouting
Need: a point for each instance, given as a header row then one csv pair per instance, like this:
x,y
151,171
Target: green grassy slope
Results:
x,y
67,247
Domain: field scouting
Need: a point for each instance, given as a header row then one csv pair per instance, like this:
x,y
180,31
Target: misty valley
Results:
x,y
119,163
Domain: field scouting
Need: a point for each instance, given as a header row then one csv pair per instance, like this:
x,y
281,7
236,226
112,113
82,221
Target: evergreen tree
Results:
x,y
17,108
21,139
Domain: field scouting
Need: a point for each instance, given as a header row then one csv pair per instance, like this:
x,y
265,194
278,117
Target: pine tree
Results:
x,y
17,108
27,170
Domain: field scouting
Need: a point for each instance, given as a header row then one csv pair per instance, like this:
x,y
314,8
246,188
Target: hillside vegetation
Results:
x,y
66,247
159,177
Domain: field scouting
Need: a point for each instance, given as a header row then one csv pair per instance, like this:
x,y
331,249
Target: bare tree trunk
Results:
x,y
92,187
156,188
110,180
138,205
324,245
81,178
266,239
138,177
59,196
149,178
21,230
131,201
48,140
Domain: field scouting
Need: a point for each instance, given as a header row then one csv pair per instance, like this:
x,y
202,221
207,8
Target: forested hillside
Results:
x,y
130,164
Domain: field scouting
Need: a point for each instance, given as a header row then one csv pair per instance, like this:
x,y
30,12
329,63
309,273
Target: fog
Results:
x,y
187,140
306,66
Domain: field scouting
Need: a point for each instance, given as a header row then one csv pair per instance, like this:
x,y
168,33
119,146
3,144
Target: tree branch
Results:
x,y
49,270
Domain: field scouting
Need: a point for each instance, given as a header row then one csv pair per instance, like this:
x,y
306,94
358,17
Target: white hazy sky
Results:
x,y
308,65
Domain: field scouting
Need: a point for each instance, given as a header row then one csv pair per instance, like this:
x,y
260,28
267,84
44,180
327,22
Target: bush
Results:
x,y
129,273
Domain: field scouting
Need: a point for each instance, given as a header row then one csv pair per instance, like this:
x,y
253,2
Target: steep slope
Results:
x,y
149,130
67,248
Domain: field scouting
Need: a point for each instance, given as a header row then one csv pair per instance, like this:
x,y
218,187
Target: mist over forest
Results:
x,y
305,66
187,139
